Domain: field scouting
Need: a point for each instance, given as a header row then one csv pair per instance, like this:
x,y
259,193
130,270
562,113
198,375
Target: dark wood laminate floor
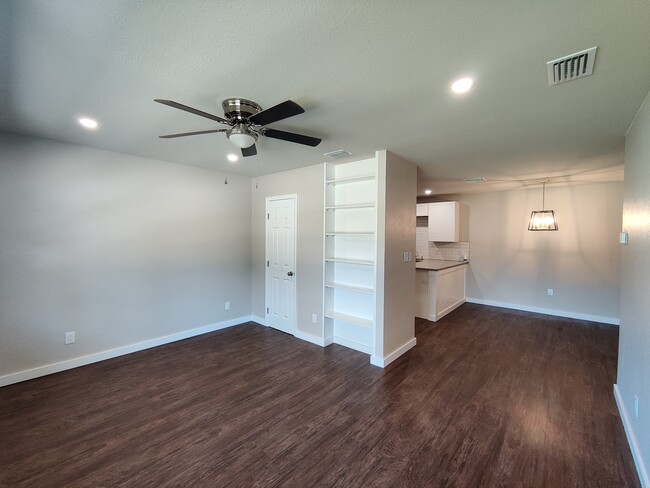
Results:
x,y
488,398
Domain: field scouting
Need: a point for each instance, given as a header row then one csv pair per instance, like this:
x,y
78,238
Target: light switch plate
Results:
x,y
623,238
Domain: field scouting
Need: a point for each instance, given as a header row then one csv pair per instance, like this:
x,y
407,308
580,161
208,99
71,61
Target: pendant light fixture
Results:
x,y
542,219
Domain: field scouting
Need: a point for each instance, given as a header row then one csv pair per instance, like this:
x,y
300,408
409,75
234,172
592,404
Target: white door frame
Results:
x,y
267,270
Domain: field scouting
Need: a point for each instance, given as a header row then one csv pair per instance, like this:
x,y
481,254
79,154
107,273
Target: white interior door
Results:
x,y
281,263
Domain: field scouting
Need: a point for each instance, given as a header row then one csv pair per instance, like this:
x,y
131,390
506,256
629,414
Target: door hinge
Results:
x,y
267,264
267,309
268,216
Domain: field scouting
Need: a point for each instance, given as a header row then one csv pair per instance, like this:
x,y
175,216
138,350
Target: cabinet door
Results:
x,y
422,210
444,221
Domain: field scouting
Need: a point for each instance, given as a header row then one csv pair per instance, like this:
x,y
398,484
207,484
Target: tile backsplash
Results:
x,y
450,251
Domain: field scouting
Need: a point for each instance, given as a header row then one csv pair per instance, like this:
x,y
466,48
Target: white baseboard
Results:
x,y
547,311
118,351
386,360
357,346
319,341
631,439
329,340
259,320
298,334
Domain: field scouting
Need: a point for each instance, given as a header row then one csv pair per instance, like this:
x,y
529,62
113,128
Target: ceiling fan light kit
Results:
x,y
241,137
247,122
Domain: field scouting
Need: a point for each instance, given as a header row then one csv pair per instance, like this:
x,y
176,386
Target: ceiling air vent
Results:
x,y
572,67
475,180
338,154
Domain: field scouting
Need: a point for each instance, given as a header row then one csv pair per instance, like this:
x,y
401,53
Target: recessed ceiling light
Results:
x,y
427,192
232,157
463,85
88,123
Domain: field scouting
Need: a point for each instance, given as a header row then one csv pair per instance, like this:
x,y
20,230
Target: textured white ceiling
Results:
x,y
370,74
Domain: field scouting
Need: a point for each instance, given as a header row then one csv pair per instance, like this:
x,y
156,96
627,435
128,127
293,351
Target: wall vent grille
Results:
x,y
338,154
572,67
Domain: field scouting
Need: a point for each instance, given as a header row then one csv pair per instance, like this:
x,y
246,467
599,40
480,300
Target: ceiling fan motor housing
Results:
x,y
239,109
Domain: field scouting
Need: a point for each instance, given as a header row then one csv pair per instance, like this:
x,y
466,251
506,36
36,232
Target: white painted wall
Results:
x,y
396,235
511,266
118,248
307,183
634,340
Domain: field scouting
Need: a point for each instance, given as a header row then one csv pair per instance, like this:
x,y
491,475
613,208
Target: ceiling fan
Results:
x,y
247,120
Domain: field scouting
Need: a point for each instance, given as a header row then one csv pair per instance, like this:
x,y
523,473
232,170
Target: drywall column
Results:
x,y
633,380
397,191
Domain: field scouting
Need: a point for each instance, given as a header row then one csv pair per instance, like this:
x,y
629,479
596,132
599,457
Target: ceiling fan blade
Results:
x,y
183,134
291,137
249,151
191,110
277,112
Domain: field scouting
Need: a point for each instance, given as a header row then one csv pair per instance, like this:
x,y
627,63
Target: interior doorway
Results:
x,y
280,280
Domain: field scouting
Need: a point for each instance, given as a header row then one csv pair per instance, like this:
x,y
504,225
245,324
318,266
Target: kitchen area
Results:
x,y
442,257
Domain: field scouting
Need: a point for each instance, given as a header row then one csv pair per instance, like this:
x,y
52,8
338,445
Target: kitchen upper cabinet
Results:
x,y
448,222
422,210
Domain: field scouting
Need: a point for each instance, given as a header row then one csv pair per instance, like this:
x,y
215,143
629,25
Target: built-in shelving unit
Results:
x,y
350,253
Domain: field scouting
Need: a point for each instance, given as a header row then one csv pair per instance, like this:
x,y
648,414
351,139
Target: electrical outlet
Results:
x,y
314,318
406,257
226,306
636,406
70,337
550,292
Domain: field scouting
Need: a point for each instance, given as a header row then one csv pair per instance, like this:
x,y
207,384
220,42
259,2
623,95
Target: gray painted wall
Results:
x,y
634,341
398,297
581,261
307,183
120,249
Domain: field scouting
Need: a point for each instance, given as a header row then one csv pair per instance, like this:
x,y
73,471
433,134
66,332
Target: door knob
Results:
x,y
290,273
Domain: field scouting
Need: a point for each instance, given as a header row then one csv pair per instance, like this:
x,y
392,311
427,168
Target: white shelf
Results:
x,y
355,205
351,319
343,286
350,249
364,262
351,179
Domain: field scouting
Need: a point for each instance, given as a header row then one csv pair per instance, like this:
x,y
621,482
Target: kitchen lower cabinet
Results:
x,y
439,292
446,291
422,293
